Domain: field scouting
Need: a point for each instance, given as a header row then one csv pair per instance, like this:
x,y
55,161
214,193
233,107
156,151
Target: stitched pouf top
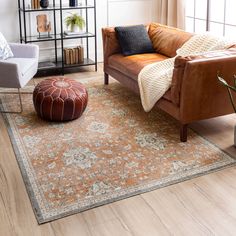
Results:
x,y
60,99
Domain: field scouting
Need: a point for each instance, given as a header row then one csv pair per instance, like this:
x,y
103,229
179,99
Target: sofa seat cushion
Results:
x,y
132,65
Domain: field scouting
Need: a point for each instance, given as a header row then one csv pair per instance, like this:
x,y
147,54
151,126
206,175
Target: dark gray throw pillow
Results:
x,y
134,40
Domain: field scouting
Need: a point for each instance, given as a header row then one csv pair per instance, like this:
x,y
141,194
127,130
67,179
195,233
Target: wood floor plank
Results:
x,y
99,215
174,214
13,192
218,195
139,217
219,131
203,209
111,227
103,221
210,212
72,226
6,227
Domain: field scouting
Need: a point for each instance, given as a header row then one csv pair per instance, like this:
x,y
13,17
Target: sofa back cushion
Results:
x,y
166,40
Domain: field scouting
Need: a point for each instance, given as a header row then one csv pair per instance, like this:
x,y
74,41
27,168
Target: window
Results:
x,y
216,16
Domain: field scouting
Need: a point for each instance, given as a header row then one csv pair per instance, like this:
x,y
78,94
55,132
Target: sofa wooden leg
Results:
x,y
106,78
183,132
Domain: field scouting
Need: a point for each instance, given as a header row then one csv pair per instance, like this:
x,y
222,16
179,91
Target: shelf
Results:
x,y
75,36
57,8
58,37
77,7
58,65
86,62
34,39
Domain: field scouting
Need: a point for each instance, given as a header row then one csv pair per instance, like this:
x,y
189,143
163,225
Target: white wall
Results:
x,y
109,13
130,12
9,23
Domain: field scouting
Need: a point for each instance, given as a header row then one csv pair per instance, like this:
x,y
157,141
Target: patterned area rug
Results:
x,y
114,151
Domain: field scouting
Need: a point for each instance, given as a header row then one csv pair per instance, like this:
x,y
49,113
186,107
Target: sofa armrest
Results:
x,y
201,95
9,75
110,43
25,50
178,73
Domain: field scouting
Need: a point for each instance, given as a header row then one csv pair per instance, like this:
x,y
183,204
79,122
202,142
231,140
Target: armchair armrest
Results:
x,y
201,95
25,50
10,71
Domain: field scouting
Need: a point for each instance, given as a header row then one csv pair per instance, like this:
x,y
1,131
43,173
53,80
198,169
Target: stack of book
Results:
x,y
73,55
35,4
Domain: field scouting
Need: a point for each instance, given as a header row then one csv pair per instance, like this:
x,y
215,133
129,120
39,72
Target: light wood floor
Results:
x,y
202,206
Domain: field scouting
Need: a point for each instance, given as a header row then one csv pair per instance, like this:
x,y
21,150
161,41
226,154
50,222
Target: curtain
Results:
x,y
171,12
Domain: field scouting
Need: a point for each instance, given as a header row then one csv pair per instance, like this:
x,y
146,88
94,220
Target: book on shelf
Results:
x,y
81,54
66,56
76,55
35,4
73,55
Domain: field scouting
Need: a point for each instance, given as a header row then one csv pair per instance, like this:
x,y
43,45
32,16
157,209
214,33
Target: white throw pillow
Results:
x,y
5,50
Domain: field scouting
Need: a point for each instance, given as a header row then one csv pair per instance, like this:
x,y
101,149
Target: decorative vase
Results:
x,y
44,3
75,28
73,3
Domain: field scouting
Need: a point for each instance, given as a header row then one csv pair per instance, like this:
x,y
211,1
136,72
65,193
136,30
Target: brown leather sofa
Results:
x,y
195,93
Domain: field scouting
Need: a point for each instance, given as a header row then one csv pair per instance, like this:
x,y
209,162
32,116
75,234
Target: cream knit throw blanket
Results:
x,y
155,79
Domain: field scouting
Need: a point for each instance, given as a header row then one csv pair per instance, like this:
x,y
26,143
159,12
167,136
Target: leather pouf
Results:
x,y
60,99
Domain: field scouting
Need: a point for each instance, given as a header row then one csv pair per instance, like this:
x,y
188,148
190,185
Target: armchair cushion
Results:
x,y
16,72
5,50
24,64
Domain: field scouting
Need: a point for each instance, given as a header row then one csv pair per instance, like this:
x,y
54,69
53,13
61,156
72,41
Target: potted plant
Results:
x,y
230,88
75,22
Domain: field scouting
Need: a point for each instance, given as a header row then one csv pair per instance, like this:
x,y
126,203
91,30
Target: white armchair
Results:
x,y
17,71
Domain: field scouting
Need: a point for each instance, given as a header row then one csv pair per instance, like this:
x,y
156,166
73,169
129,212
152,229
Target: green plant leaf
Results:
x,y
75,19
234,80
222,81
229,88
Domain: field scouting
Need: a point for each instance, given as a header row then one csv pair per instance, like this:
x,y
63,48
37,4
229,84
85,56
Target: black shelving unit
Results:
x,y
58,35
